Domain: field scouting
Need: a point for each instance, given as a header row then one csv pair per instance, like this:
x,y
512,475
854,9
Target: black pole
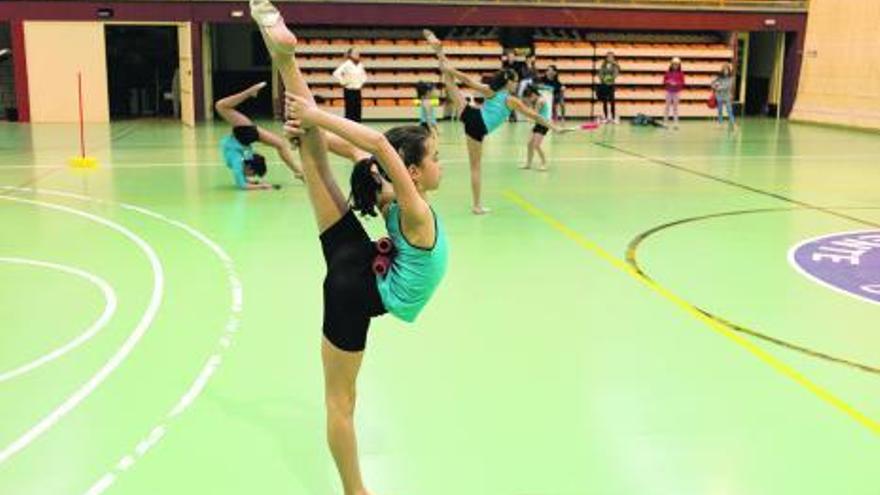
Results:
x,y
593,84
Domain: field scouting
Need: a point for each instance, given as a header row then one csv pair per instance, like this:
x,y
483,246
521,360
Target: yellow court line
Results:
x,y
716,326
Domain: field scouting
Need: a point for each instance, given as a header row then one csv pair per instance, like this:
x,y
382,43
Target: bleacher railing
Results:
x,y
743,5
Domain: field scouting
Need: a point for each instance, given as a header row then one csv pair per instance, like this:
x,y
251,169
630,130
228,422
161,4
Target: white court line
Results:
x,y
109,309
143,325
213,362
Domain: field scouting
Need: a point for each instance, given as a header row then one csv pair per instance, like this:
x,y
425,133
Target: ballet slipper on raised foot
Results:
x,y
279,40
254,90
432,40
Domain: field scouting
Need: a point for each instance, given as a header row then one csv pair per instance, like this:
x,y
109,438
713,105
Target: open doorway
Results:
x,y
142,71
8,110
762,86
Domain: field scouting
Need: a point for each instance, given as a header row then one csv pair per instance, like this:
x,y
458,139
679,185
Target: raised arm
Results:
x,y
302,114
518,105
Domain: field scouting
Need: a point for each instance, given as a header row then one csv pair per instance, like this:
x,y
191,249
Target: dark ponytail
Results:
x,y
500,79
410,141
531,89
364,187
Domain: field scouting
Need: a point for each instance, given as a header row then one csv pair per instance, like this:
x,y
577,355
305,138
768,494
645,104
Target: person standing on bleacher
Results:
x,y
352,76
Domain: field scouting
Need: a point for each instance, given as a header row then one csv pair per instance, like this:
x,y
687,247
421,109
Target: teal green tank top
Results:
x,y
495,111
415,272
546,109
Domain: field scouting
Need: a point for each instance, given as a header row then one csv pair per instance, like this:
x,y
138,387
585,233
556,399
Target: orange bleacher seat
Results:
x,y
386,102
369,102
405,42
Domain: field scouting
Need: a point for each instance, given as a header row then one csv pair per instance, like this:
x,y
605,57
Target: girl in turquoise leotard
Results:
x,y
498,103
236,147
399,169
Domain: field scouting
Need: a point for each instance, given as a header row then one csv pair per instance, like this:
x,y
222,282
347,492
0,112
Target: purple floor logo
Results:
x,y
848,262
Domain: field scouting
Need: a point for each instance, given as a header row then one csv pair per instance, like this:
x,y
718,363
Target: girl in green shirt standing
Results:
x,y
607,76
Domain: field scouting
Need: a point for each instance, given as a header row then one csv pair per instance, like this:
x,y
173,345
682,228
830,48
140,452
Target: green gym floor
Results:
x,y
606,330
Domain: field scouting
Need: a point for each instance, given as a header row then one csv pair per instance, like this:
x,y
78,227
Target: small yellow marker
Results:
x,y
83,162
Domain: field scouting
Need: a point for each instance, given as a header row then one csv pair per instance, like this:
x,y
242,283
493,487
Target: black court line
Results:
x,y
802,204
632,261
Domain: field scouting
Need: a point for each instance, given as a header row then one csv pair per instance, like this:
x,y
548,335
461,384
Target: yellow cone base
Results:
x,y
84,162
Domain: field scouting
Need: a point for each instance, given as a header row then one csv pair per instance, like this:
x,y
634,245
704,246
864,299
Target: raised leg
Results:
x,y
328,202
225,107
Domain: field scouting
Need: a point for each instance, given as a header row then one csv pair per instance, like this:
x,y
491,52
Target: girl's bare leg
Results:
x,y
340,367
539,140
475,156
327,200
226,106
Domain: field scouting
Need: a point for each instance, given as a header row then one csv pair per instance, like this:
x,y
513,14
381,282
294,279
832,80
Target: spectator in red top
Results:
x,y
673,80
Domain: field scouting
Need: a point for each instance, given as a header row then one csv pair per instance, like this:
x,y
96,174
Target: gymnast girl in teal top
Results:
x,y
498,103
248,167
394,175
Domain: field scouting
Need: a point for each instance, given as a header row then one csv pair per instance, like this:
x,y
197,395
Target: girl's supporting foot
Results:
x,y
525,166
480,210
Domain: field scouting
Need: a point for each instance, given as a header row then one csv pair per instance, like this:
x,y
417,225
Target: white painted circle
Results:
x,y
110,303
